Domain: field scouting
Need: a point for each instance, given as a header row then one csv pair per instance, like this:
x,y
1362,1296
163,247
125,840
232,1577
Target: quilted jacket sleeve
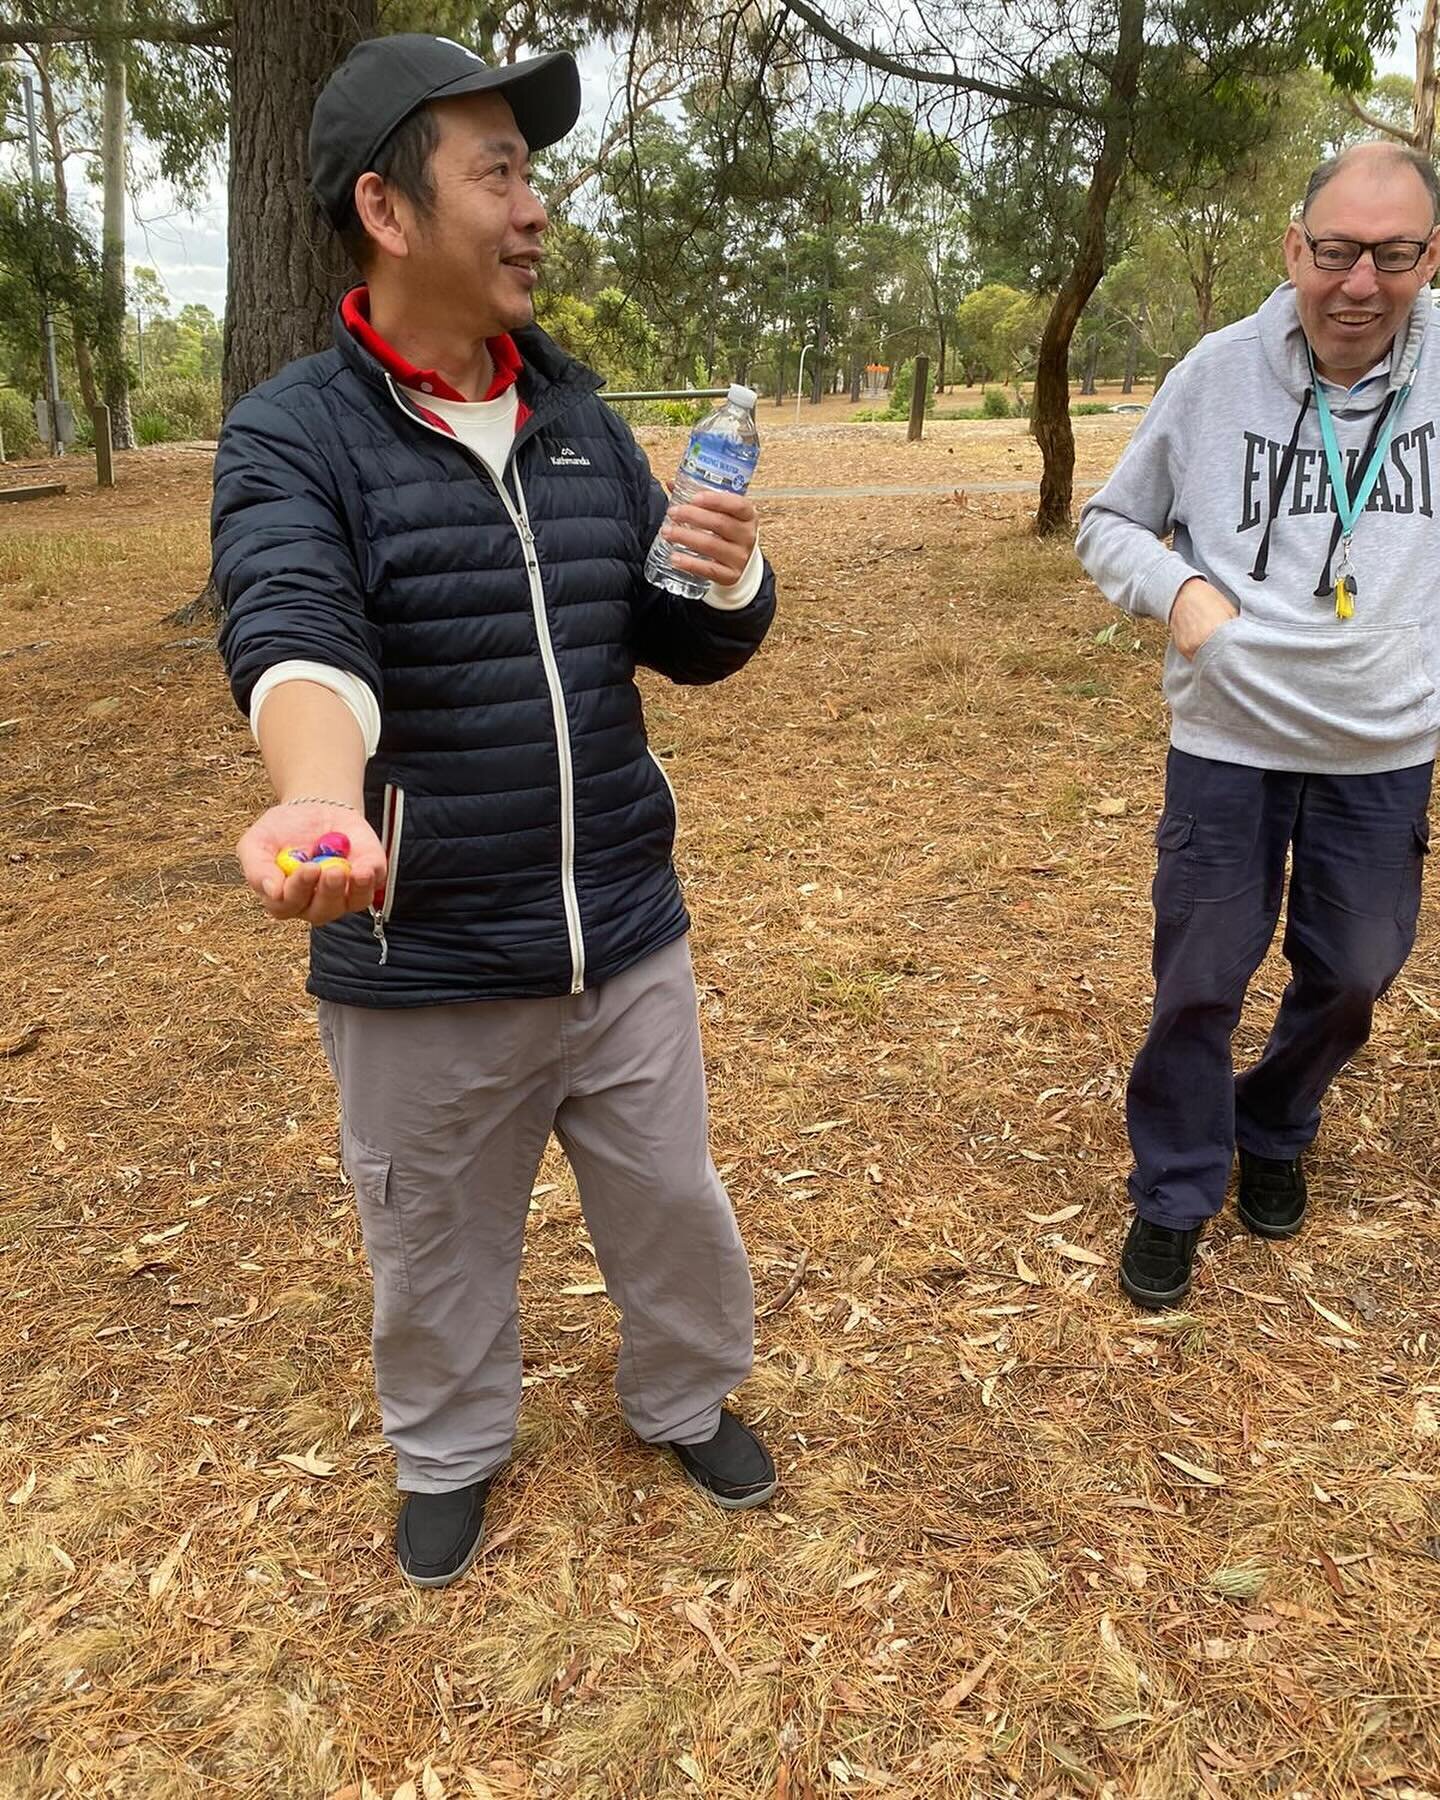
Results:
x,y
284,558
686,640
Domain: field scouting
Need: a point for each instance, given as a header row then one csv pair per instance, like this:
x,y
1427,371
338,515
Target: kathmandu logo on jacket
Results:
x,y
563,457
1405,485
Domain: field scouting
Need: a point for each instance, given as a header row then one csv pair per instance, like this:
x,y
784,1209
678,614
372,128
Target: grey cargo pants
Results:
x,y
446,1111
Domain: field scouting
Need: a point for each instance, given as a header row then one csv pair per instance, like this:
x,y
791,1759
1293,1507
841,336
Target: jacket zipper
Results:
x,y
521,521
669,784
392,824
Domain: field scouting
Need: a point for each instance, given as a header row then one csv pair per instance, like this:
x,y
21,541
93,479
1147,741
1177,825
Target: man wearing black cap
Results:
x,y
430,543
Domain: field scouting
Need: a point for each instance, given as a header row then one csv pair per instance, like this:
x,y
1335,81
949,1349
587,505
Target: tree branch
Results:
x,y
212,36
1390,131
1037,96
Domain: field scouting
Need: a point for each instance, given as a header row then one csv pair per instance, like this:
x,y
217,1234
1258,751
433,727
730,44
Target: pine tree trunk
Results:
x,y
112,256
287,270
1092,363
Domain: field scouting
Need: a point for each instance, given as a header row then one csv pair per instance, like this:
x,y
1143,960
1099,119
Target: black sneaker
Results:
x,y
1155,1263
1272,1196
437,1536
733,1469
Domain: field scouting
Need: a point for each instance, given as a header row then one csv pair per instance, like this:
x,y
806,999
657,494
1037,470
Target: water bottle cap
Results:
x,y
743,396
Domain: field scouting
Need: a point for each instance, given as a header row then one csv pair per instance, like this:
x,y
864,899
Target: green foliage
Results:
x,y
17,424
177,406
43,261
904,387
995,404
1087,408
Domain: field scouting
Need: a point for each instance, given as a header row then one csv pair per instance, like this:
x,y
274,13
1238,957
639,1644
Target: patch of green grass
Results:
x,y
860,995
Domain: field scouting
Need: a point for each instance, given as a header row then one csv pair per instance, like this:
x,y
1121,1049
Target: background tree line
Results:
x,y
1081,194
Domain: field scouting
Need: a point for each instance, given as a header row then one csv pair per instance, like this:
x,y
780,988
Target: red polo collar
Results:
x,y
355,311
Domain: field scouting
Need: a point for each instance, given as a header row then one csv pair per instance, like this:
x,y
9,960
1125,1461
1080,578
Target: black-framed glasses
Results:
x,y
1396,256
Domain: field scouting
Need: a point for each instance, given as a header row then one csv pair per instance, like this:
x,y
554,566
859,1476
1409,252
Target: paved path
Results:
x,y
886,493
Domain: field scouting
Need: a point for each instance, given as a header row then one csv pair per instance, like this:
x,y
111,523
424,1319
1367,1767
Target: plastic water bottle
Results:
x,y
721,457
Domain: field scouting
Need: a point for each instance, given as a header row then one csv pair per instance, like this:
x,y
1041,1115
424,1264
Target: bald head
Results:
x,y
1383,158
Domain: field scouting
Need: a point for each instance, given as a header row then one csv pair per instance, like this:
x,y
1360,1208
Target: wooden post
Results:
x,y
918,396
104,453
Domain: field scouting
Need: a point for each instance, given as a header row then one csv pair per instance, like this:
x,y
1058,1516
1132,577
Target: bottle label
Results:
x,y
720,462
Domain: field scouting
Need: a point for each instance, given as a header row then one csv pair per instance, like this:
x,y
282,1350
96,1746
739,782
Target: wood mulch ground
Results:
x,y
1028,1543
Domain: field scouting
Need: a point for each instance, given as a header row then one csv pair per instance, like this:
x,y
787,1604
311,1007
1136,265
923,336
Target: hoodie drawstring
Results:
x,y
1277,488
1325,587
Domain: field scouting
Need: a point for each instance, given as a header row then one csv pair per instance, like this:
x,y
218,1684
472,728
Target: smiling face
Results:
x,y
478,246
1351,316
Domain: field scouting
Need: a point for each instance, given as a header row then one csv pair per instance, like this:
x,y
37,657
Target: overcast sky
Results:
x,y
187,249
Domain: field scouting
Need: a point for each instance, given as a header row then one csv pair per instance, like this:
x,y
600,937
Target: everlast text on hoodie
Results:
x,y
1229,458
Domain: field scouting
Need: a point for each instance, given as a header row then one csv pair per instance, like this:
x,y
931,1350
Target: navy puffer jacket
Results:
x,y
529,827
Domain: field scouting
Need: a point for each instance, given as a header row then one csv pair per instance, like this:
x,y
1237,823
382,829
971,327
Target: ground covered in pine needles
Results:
x,y
1028,1542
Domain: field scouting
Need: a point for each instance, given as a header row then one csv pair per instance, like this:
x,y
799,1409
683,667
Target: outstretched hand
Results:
x,y
317,892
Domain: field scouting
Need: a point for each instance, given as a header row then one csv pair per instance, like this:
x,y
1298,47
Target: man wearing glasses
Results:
x,y
1291,460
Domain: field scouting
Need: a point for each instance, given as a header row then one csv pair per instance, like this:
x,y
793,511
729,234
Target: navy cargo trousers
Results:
x,y
1356,845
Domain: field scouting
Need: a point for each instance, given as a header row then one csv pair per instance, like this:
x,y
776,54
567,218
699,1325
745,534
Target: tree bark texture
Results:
x,y
1050,420
84,363
287,270
1426,79
112,249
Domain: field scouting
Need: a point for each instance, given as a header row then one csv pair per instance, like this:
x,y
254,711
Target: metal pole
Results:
x,y
800,384
47,318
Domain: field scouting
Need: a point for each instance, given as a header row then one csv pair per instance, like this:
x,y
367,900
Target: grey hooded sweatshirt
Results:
x,y
1287,684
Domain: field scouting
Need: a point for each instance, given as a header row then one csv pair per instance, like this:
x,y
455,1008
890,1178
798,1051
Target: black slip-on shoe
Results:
x,y
733,1469
1156,1263
1272,1196
437,1536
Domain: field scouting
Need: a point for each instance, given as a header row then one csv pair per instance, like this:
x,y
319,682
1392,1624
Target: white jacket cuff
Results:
x,y
358,695
731,599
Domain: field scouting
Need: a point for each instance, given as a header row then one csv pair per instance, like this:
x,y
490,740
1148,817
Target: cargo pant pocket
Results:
x,y
381,1220
1173,892
1407,910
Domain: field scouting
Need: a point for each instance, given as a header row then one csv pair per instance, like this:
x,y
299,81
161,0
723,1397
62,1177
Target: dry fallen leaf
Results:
x,y
858,1579
308,1464
164,1572
1076,1254
1332,1318
1426,1423
1024,1271
1194,1470
966,1686
431,1785
23,1041
700,1619
24,1491
584,1288
1055,1218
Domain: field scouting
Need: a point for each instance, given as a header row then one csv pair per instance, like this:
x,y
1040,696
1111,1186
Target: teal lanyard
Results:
x,y
1347,506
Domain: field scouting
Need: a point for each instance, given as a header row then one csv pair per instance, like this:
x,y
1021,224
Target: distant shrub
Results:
x,y
1087,407
903,388
153,428
995,405
17,424
174,407
684,412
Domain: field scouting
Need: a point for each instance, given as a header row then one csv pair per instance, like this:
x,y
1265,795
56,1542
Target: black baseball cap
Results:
x,y
383,80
